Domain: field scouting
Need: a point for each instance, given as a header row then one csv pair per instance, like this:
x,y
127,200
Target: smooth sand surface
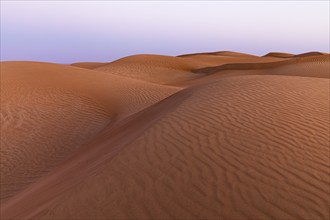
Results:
x,y
219,135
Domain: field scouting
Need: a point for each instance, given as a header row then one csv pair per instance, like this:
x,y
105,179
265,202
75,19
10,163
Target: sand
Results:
x,y
88,65
220,135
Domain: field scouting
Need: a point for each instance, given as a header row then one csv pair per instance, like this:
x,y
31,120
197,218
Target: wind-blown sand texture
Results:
x,y
220,135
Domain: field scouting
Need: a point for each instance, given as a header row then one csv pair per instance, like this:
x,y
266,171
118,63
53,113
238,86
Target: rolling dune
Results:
x,y
49,110
88,65
232,136
170,70
153,68
221,53
279,54
307,66
309,54
289,55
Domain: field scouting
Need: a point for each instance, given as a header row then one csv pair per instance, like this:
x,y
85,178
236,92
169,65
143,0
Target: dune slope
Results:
x,y
49,110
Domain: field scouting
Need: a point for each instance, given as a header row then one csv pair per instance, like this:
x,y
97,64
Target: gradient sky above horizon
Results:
x,y
72,31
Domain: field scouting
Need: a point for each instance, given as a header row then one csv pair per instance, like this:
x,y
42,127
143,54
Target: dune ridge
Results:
x,y
221,53
279,54
322,62
220,135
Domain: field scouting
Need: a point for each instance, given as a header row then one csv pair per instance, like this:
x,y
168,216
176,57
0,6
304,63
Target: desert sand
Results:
x,y
216,135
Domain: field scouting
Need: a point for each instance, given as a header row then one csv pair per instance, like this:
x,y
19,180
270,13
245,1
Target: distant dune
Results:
x,y
279,54
288,55
88,65
219,135
166,69
220,53
308,66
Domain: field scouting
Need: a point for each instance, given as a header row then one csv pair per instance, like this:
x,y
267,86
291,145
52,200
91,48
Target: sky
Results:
x,y
72,31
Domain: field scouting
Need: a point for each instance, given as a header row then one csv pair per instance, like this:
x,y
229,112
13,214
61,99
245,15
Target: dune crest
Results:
x,y
301,65
279,54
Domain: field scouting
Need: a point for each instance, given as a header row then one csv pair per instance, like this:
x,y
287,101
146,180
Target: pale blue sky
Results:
x,y
70,31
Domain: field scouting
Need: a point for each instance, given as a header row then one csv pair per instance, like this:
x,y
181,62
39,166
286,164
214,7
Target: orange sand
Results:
x,y
219,135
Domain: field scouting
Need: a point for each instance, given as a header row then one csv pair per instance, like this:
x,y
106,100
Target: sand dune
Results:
x,y
48,110
279,54
310,54
88,65
313,66
221,53
153,68
167,69
231,140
